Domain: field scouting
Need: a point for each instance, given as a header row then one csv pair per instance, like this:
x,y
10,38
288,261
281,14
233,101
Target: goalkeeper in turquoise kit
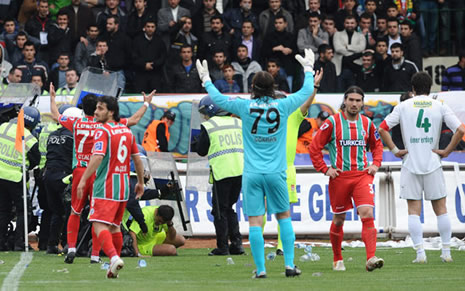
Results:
x,y
264,130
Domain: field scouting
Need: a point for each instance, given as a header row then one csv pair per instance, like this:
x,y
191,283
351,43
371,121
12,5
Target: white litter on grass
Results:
x,y
11,281
430,243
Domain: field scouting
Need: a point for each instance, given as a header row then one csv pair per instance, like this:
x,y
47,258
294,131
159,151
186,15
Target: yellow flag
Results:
x,y
20,131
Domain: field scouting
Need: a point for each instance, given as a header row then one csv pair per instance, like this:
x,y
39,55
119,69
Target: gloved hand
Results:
x,y
202,68
307,61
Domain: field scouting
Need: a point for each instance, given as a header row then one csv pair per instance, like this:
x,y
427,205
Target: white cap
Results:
x,y
73,112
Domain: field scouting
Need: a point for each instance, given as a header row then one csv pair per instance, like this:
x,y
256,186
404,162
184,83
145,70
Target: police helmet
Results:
x,y
73,112
207,107
31,117
63,107
169,115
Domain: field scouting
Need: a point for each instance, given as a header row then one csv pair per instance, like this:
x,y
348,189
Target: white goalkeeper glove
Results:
x,y
307,61
202,69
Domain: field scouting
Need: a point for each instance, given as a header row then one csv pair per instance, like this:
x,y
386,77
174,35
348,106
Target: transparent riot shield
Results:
x,y
96,81
198,170
164,175
15,96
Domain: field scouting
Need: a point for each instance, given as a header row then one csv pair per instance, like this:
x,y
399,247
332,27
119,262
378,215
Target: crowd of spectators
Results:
x,y
375,44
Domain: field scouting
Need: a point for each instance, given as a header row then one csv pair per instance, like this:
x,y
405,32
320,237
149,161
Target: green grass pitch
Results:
x,y
194,270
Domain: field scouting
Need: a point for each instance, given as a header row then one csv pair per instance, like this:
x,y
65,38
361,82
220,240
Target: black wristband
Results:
x,y
316,87
170,224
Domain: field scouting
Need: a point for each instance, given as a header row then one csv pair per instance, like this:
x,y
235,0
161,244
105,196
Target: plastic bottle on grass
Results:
x,y
271,256
230,261
142,263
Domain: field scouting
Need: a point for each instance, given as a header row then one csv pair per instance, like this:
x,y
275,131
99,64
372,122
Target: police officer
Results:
x,y
58,165
38,174
11,174
221,139
157,135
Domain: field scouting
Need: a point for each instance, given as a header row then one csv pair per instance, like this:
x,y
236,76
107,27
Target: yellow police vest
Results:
x,y
66,91
10,159
226,152
43,139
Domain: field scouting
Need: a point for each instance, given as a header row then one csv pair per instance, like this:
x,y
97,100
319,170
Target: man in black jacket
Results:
x,y
328,83
80,17
397,76
59,37
183,77
412,44
38,27
149,53
215,40
368,76
118,54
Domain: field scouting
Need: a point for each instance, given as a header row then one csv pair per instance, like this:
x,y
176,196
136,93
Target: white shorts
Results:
x,y
412,185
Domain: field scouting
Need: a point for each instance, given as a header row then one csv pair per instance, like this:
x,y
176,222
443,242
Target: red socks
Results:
x,y
369,236
106,242
336,235
118,241
73,230
95,244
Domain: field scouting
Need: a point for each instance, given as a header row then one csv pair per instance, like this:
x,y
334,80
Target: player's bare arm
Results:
x,y
133,120
171,233
94,163
304,107
456,138
139,188
387,139
53,104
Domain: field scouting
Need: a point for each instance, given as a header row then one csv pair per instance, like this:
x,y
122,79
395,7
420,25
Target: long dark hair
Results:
x,y
352,89
262,85
112,105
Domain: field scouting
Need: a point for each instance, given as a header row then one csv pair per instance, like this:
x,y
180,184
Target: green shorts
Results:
x,y
147,248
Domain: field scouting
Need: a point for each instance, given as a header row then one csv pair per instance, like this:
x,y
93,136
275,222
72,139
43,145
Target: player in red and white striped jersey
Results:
x,y
114,146
421,119
83,130
349,134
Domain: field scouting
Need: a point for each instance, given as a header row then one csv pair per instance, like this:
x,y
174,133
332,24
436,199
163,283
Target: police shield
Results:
x,y
19,93
165,176
198,170
95,81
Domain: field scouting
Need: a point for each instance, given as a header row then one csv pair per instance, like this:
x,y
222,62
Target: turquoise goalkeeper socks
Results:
x,y
288,239
257,244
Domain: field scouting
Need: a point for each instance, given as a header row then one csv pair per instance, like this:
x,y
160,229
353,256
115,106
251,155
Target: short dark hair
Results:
x,y
382,39
421,83
391,4
374,1
28,43
280,16
9,19
314,15
21,33
13,69
350,17
64,54
273,60
392,19
365,15
397,45
404,96
244,46
216,17
263,85
166,212
218,51
150,20
329,17
409,23
92,25
63,12
112,105
382,16
115,17
89,104
101,40
186,45
323,48
249,21
227,66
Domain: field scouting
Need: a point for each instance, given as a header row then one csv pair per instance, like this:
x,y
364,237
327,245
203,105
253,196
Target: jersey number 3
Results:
x,y
423,122
272,117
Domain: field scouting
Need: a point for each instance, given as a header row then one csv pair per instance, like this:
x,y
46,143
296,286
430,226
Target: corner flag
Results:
x,y
20,131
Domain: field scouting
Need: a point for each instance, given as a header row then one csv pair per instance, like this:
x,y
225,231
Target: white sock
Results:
x,y
71,250
95,258
445,232
416,232
113,259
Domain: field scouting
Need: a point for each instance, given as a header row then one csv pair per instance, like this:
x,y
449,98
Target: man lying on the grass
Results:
x,y
161,238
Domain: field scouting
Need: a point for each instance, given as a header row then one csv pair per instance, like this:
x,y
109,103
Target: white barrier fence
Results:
x,y
312,214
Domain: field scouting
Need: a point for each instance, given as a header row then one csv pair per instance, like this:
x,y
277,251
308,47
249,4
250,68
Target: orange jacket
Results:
x,y
306,139
150,141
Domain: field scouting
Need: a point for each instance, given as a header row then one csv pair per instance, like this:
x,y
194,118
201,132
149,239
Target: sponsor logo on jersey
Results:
x,y
63,118
98,146
376,134
352,142
324,126
422,104
98,134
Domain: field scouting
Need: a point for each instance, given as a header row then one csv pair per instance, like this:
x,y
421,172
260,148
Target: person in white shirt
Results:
x,y
421,119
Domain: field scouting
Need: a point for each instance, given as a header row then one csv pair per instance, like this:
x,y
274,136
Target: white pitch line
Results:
x,y
11,281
